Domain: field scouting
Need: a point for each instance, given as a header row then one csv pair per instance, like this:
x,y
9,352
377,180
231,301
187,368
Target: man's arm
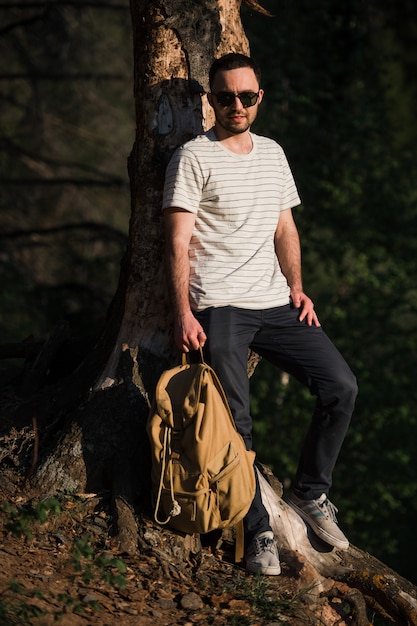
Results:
x,y
288,251
179,225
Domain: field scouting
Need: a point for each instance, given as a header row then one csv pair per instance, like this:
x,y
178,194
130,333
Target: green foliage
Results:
x,y
68,126
21,520
15,610
266,603
17,604
20,612
340,99
106,567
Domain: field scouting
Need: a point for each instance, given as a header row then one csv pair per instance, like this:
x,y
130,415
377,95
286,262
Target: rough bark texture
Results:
x,y
174,45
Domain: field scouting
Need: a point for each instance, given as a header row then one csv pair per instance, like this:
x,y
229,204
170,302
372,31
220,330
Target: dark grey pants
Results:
x,y
306,353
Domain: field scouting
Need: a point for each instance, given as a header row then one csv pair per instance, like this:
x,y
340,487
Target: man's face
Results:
x,y
235,118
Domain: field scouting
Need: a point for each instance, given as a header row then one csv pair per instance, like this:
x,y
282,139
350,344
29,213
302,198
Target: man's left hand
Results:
x,y
306,306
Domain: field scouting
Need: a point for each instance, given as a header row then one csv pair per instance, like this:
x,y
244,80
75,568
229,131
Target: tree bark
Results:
x,y
174,45
106,445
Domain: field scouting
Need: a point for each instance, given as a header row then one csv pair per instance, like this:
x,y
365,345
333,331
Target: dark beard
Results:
x,y
231,128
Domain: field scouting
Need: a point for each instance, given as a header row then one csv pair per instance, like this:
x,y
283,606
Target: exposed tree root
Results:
x,y
355,577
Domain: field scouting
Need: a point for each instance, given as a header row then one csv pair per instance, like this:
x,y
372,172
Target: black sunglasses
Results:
x,y
227,98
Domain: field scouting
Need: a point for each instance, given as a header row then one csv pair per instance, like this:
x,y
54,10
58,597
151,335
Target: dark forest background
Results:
x,y
340,83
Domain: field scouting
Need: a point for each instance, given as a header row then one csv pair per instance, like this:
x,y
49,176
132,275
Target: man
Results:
x,y
234,270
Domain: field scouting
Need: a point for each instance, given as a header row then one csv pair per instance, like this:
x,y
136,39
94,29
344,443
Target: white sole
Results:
x,y
266,571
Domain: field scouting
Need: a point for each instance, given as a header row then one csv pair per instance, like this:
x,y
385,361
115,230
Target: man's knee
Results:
x,y
347,388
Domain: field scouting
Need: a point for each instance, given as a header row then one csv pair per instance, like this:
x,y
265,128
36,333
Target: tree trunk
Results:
x,y
105,445
174,45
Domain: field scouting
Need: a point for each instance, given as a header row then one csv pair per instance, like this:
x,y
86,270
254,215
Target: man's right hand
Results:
x,y
188,333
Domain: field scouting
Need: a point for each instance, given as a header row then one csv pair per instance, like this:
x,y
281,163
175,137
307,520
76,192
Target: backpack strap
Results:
x,y
239,542
185,360
176,508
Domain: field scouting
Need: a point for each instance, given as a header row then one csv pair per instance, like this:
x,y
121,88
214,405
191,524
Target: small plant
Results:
x,y
82,556
75,605
14,611
21,520
263,603
267,602
106,567
15,605
113,570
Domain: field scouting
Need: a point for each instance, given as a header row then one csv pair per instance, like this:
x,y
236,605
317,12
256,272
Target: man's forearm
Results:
x,y
178,277
188,332
289,256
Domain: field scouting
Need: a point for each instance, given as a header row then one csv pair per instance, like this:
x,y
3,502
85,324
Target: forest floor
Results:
x,y
59,565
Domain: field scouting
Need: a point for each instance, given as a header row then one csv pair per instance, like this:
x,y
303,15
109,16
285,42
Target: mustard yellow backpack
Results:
x,y
202,475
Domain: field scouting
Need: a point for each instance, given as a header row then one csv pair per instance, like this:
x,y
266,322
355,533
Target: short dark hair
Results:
x,y
233,61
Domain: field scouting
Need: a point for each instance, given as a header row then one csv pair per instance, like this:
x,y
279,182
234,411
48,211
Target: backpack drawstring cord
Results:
x,y
176,508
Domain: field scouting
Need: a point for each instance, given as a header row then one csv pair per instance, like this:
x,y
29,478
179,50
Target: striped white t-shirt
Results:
x,y
237,199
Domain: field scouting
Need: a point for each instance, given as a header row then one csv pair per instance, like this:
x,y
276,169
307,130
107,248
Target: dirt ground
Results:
x,y
60,564
65,570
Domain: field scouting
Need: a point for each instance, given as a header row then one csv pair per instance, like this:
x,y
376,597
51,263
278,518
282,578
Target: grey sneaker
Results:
x,y
262,555
320,515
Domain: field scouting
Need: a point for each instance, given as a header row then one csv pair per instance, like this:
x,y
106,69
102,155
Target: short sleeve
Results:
x,y
183,181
